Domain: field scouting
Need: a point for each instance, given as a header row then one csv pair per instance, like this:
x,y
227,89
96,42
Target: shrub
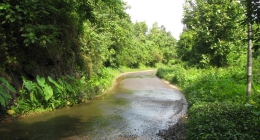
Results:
x,y
222,121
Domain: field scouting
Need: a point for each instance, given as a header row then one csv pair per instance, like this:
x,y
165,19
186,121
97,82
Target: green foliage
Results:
x,y
42,33
222,121
47,93
216,98
7,84
95,46
149,48
214,35
252,11
5,87
36,95
207,85
45,88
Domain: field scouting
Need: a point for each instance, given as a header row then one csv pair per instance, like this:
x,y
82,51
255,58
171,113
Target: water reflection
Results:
x,y
55,128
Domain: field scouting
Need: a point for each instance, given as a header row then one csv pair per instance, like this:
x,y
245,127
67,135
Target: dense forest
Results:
x,y
63,52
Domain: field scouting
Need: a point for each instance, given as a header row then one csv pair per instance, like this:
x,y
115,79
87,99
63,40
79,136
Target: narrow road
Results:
x,y
138,107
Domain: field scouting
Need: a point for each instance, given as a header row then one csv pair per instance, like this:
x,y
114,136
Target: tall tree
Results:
x,y
249,49
252,17
164,42
216,31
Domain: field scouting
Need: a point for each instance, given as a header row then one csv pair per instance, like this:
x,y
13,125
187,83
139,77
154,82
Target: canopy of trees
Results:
x,y
213,34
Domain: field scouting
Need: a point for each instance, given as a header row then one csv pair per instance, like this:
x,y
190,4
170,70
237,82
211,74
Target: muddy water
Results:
x,y
137,108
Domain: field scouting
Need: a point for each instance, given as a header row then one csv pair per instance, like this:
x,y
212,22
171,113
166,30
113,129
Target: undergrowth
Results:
x,y
218,108
47,94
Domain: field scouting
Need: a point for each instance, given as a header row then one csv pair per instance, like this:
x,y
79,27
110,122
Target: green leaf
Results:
x,y
39,91
3,80
10,87
48,92
2,90
32,96
52,105
82,80
69,88
12,19
7,16
24,35
256,113
60,81
18,8
29,84
2,101
41,81
4,94
55,83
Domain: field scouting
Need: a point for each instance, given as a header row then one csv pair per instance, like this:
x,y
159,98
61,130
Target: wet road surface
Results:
x,y
138,107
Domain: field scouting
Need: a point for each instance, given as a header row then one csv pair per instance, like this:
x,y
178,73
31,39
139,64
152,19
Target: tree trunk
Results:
x,y
249,61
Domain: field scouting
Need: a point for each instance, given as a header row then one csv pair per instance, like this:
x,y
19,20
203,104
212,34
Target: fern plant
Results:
x,y
4,95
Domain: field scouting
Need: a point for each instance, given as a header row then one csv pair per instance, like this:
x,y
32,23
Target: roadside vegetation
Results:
x,y
218,107
211,70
